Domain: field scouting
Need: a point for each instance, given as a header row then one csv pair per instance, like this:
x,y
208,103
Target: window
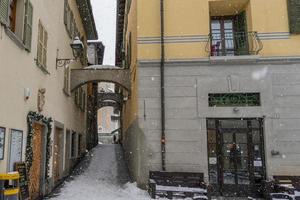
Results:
x,y
69,21
83,96
42,46
12,15
76,97
294,16
83,57
18,19
128,57
229,35
79,98
66,80
233,99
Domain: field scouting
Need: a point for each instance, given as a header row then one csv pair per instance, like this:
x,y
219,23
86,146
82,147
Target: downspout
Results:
x,y
162,87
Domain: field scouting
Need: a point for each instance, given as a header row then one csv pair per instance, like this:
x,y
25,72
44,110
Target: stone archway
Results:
x,y
109,104
110,96
99,73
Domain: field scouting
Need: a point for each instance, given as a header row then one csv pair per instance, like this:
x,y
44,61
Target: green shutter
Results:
x,y
4,5
28,25
294,16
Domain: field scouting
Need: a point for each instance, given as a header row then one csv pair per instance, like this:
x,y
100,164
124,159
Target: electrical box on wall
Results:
x,y
27,94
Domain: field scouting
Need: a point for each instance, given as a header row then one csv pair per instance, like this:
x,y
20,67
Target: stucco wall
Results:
x,y
187,25
19,71
187,88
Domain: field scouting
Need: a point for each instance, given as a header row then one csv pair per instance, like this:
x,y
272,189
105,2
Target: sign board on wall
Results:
x,y
2,142
16,145
24,191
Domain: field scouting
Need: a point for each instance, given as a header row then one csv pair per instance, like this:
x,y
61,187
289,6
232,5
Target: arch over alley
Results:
x,y
100,73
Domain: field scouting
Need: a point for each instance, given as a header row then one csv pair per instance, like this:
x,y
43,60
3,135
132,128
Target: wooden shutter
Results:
x,y
45,48
66,80
68,25
4,5
65,12
294,16
83,101
72,26
40,45
28,25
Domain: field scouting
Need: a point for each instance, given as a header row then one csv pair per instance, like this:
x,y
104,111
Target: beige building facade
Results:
x,y
41,120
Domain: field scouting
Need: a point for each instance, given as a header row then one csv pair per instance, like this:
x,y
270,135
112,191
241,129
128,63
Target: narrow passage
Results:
x,y
104,176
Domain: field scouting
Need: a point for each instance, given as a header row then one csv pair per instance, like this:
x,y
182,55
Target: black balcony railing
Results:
x,y
233,44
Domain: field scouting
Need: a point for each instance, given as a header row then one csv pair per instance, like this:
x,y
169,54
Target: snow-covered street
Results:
x,y
104,176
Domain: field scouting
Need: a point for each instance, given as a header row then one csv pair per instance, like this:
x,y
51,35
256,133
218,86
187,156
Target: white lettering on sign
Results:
x,y
257,163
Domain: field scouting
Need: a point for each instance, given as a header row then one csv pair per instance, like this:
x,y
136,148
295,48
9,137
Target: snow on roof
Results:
x,y
102,67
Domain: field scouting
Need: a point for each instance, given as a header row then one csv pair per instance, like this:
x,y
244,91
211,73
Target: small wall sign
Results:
x,y
212,160
2,142
24,191
257,163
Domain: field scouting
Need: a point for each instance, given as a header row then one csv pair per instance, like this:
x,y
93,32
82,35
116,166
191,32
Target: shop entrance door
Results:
x,y
236,156
35,173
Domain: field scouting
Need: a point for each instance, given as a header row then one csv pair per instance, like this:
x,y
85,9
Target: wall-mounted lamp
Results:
x,y
77,49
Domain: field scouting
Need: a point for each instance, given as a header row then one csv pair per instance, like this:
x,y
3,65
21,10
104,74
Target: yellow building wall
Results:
x,y
130,108
191,18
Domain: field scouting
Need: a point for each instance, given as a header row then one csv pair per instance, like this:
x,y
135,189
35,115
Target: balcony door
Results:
x,y
229,35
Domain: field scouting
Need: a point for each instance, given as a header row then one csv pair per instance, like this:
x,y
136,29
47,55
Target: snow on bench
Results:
x,y
169,184
180,189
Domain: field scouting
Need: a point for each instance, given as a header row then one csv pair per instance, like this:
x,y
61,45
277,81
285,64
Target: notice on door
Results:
x,y
212,160
16,141
257,163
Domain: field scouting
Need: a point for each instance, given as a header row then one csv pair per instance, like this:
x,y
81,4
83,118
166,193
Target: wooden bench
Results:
x,y
177,184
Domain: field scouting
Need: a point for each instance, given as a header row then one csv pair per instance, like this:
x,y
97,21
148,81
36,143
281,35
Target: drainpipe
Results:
x,y
162,87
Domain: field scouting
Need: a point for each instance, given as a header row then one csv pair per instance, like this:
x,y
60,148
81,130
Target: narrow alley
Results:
x,y
109,182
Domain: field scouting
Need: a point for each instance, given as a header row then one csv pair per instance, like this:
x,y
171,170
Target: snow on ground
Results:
x,y
105,178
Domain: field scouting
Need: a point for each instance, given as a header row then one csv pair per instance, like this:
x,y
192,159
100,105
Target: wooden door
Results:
x,y
35,170
57,157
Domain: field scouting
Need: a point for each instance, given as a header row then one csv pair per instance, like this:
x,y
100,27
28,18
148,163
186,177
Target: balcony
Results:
x,y
230,43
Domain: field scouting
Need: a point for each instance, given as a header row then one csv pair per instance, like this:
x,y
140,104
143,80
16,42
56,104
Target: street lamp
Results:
x,y
77,49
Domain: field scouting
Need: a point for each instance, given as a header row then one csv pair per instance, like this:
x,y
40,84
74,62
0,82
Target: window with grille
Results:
x,y
233,99
42,46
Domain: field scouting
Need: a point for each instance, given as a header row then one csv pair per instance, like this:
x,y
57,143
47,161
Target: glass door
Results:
x,y
235,153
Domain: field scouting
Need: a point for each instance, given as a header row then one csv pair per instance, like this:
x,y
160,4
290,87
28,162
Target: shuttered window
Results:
x,y
69,21
294,16
42,46
83,101
28,25
66,80
65,11
4,6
